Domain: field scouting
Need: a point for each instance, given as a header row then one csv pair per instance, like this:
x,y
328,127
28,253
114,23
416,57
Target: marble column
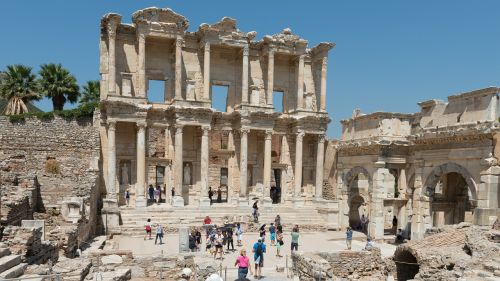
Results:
x,y
111,190
300,83
142,65
140,188
267,164
376,217
178,68
402,186
204,200
244,78
178,160
320,154
243,162
112,57
322,99
206,72
270,77
298,165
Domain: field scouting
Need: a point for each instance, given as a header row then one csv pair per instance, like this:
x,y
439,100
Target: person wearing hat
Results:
x,y
259,249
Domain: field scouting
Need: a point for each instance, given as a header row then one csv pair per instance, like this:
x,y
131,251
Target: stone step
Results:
x,y
34,277
4,252
9,261
15,271
491,266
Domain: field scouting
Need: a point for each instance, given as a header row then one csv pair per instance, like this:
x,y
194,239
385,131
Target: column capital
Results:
x,y
244,131
141,124
321,138
269,134
179,41
206,46
246,50
111,125
205,130
178,128
300,135
324,62
111,29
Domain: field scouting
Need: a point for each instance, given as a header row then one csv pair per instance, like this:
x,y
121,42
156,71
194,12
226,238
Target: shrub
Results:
x,y
52,166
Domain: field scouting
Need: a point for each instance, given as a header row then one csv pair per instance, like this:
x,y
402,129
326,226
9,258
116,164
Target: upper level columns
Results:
x,y
142,64
244,78
320,154
178,68
243,162
270,77
300,83
111,187
112,57
322,99
298,164
206,72
141,165
267,163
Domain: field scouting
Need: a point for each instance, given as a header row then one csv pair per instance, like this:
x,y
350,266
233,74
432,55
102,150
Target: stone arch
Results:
x,y
437,172
406,263
355,201
349,176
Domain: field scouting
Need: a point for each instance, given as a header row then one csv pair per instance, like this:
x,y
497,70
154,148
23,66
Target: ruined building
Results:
x,y
181,140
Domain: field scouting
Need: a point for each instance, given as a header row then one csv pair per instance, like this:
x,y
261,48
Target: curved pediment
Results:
x,y
162,16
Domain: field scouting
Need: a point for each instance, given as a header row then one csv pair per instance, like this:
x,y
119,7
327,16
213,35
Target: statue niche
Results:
x,y
187,174
125,173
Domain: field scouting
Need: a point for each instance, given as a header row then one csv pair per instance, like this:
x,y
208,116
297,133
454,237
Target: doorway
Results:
x,y
276,186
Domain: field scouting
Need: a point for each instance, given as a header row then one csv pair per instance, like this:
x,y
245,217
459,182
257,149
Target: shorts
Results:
x,y
272,236
218,246
242,273
259,260
148,231
278,246
240,236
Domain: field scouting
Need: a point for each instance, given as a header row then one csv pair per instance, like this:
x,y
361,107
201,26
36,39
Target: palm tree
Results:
x,y
18,86
58,84
91,92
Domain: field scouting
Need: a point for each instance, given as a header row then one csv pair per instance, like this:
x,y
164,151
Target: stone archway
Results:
x,y
358,182
452,193
406,264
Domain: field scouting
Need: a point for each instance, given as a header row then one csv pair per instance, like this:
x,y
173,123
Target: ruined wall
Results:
x,y
28,243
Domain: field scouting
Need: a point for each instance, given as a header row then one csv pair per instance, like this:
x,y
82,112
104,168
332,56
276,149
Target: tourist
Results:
x,y
348,238
229,238
219,242
151,192
362,223
273,194
259,248
279,243
243,263
279,228
157,194
210,194
239,234
295,238
394,223
207,223
159,233
127,197
255,211
399,236
272,234
192,241
369,244
262,232
147,227
172,193
277,220
197,234
219,195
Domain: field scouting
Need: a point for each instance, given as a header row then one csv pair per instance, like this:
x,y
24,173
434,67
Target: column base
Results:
x,y
141,202
178,201
204,202
486,216
267,202
243,202
298,202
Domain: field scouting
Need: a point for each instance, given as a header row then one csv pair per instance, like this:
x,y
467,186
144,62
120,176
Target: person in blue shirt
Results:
x,y
348,238
259,249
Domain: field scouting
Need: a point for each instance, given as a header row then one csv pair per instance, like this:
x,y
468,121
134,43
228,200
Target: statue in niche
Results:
x,y
125,174
187,174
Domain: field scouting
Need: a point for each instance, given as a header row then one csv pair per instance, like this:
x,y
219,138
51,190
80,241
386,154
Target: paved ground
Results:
x,y
324,241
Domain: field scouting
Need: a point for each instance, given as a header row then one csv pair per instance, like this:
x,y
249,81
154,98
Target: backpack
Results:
x,y
148,227
258,251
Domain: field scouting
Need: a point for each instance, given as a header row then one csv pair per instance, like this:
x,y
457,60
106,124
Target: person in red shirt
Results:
x,y
207,222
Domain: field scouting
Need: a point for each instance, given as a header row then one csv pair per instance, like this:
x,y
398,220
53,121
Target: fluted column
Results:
x,y
244,78
178,160
267,163
319,166
298,165
141,165
300,83
142,64
322,99
270,77
178,68
112,57
243,162
204,161
111,190
206,72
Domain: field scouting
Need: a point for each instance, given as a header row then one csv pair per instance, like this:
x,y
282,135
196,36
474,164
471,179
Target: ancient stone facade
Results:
x,y
431,168
181,141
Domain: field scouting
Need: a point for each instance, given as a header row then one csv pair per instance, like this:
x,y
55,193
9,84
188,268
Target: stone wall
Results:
x,y
19,202
28,243
352,265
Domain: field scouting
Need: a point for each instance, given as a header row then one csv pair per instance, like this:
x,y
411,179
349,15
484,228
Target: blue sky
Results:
x,y
389,54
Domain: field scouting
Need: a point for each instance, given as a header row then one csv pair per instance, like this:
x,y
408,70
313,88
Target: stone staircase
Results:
x,y
10,265
133,220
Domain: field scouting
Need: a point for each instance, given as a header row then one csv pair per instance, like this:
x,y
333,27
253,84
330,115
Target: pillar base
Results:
x,y
486,216
110,215
204,202
298,202
178,201
267,202
243,202
141,202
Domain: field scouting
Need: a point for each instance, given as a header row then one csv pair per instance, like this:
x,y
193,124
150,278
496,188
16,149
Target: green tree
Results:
x,y
58,84
18,86
91,92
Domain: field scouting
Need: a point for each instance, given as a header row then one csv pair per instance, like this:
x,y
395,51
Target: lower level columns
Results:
x,y
376,217
267,165
178,199
204,200
243,163
111,187
298,166
140,200
319,167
